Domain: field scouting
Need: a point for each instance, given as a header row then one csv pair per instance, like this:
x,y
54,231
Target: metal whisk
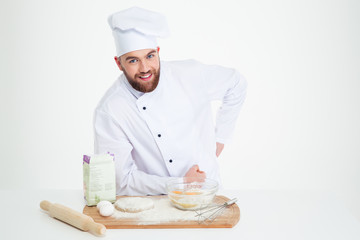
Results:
x,y
212,212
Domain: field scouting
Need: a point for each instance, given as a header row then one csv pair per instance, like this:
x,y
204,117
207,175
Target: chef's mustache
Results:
x,y
144,73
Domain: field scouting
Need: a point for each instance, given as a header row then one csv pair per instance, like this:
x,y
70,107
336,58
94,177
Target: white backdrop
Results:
x,y
299,127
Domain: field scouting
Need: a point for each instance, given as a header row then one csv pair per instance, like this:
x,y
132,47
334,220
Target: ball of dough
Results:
x,y
134,204
103,203
107,210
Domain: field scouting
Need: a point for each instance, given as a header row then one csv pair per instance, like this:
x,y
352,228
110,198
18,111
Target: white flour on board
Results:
x,y
163,211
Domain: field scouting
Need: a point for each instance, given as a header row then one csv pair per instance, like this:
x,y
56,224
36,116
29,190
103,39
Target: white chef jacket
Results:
x,y
160,135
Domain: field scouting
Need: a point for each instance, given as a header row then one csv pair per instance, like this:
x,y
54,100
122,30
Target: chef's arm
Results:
x,y
228,86
109,137
219,148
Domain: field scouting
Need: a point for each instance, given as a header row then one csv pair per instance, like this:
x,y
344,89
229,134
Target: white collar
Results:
x,y
134,92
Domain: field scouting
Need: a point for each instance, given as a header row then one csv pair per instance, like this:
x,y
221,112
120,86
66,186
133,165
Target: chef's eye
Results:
x,y
133,61
151,55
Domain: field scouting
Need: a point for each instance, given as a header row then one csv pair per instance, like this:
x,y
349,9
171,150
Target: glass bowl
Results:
x,y
191,193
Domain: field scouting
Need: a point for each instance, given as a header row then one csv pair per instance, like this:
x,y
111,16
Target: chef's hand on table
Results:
x,y
194,172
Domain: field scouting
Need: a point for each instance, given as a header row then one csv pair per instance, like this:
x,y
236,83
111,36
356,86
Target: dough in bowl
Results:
x,y
134,204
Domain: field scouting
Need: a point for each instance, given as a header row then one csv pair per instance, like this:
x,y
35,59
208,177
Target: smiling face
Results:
x,y
141,68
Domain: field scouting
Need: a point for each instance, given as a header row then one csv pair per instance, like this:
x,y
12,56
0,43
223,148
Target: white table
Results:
x,y
264,214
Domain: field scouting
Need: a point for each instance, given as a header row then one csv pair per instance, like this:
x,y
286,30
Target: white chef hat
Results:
x,y
137,28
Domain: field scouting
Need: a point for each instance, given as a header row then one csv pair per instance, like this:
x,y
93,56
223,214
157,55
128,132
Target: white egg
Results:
x,y
103,203
107,210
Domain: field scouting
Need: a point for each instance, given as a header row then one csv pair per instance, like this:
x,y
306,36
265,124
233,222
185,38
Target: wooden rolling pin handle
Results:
x,y
73,217
45,205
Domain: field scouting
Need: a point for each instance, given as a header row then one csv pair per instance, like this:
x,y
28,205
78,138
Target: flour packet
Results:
x,y
99,178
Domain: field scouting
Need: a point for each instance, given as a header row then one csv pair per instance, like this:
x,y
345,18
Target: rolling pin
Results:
x,y
73,217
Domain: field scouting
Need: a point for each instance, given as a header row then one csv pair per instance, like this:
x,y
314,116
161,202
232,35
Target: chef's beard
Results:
x,y
144,86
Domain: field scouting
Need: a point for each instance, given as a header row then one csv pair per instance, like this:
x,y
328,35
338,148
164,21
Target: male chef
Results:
x,y
157,118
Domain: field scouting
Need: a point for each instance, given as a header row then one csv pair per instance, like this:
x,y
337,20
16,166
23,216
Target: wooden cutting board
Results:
x,y
228,219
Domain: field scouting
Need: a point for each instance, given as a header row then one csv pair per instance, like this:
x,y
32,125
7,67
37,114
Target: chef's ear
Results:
x,y
117,60
158,49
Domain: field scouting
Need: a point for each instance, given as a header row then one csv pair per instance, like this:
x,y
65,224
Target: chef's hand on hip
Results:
x,y
194,172
219,148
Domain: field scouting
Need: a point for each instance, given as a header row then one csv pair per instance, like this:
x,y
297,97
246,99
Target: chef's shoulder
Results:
x,y
189,73
113,97
195,73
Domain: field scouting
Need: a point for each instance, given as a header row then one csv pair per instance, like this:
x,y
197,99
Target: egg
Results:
x,y
103,203
106,210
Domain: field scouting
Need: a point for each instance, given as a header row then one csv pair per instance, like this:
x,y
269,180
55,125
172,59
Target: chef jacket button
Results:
x,y
159,135
144,108
170,161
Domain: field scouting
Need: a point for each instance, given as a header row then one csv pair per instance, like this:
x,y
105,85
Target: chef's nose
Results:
x,y
144,67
